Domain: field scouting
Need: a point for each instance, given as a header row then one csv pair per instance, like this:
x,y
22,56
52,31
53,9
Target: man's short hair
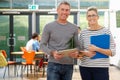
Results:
x,y
63,2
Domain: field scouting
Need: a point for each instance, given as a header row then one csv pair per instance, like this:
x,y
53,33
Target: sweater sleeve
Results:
x,y
44,40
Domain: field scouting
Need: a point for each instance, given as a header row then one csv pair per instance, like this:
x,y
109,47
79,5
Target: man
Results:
x,y
57,36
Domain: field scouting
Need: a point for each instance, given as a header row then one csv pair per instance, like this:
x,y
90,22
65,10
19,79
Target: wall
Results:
x,y
115,60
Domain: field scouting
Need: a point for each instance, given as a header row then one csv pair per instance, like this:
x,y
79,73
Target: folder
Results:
x,y
102,41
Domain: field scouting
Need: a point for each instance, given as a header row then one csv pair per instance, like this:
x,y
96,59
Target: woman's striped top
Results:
x,y
84,42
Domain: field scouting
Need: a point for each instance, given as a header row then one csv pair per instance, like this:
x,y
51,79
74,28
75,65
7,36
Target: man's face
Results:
x,y
63,12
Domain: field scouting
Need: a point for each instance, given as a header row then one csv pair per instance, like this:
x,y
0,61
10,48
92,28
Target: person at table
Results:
x,y
36,44
33,43
56,36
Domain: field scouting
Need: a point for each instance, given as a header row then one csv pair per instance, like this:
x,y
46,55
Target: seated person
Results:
x,y
34,44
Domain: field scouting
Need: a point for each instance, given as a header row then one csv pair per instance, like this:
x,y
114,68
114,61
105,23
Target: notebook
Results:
x,y
102,41
67,51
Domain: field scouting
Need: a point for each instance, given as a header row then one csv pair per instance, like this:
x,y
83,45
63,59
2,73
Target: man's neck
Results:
x,y
62,21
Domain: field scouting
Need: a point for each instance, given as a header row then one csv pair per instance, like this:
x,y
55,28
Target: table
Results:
x,y
36,53
20,53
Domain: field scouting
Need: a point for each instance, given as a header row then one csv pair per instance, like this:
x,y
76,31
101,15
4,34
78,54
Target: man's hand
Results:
x,y
74,54
56,55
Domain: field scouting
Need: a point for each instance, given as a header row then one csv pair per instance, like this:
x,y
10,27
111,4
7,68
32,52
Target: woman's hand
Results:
x,y
88,53
81,55
92,48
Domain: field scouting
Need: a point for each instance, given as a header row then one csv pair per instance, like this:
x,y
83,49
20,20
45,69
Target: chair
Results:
x,y
29,60
9,63
23,49
42,63
39,61
45,63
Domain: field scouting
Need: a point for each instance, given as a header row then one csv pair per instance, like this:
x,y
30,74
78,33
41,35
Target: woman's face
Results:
x,y
92,17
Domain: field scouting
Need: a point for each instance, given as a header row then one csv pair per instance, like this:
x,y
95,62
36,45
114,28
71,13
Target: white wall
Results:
x,y
114,6
115,59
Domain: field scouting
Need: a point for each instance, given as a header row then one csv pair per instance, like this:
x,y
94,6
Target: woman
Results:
x,y
94,69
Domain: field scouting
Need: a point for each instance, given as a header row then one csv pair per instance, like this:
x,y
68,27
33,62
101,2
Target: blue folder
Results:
x,y
102,41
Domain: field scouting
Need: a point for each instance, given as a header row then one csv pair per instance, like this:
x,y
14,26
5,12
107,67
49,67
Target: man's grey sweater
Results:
x,y
57,36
